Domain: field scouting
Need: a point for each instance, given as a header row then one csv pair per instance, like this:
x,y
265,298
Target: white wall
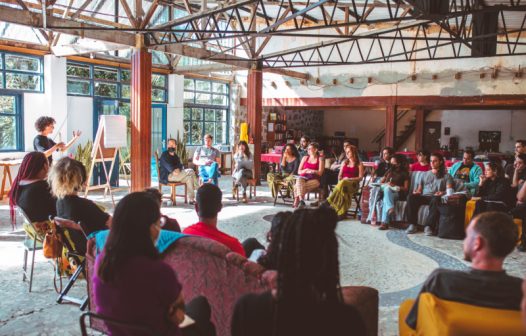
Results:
x,y
80,117
174,114
361,124
464,124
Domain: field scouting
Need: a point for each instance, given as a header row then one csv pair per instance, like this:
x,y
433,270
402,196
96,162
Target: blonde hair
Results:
x,y
67,177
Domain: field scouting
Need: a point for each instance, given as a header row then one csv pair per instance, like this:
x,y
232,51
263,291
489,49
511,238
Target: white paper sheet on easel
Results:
x,y
114,131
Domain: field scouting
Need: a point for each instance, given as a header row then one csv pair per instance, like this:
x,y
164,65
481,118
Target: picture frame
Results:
x,y
273,116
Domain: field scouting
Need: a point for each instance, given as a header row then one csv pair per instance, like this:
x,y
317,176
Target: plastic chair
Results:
x,y
131,328
31,245
172,185
63,226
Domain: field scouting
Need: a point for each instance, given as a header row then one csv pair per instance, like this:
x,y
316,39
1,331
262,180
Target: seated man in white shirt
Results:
x,y
205,157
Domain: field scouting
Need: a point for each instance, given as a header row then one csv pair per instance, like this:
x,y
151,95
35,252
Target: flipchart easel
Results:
x,y
110,137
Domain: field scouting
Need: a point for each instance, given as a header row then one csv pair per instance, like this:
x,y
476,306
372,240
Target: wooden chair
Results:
x,y
64,229
283,187
31,245
252,183
172,185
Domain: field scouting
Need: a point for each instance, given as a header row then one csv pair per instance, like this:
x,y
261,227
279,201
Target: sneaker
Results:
x,y
411,229
383,227
428,231
302,205
521,248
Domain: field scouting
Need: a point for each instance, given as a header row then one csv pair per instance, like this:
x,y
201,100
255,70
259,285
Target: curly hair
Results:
x,y
43,122
67,177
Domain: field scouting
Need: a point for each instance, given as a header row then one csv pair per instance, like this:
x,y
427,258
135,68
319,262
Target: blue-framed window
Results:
x,y
206,110
21,72
11,122
109,82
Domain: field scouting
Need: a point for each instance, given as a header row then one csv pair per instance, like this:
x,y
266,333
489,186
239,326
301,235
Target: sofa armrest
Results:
x,y
365,300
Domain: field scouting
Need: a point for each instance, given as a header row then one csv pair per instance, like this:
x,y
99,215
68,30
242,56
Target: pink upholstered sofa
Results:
x,y
205,267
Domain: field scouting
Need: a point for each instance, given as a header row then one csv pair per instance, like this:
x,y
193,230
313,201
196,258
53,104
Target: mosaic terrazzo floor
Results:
x,y
392,262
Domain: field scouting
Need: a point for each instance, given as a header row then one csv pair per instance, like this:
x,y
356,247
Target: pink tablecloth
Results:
x,y
270,157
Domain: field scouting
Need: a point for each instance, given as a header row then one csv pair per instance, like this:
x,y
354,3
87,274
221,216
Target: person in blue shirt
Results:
x,y
467,171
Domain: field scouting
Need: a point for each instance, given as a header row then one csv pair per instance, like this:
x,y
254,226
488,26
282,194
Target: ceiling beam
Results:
x,y
34,20
289,73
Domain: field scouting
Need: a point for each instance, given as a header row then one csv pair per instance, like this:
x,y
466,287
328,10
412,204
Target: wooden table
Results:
x,y
7,175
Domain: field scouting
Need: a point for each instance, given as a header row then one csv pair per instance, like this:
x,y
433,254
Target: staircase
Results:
x,y
403,133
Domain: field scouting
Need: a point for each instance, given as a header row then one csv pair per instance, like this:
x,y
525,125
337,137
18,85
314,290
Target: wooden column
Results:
x,y
419,129
141,117
255,111
390,125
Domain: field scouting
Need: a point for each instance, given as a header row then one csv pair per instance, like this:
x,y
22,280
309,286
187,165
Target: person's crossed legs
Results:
x,y
210,172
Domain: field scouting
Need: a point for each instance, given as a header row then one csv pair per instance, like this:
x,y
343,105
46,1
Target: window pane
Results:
x,y
78,86
7,104
197,131
7,133
188,97
209,115
1,80
158,95
22,63
202,98
210,129
125,76
186,135
125,91
105,74
197,114
202,86
188,84
220,128
106,89
187,114
158,80
78,70
220,100
22,81
220,115
1,63
219,88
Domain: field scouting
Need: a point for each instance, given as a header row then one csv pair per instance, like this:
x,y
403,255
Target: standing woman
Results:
x,y
310,170
351,173
243,165
41,143
394,186
290,162
30,190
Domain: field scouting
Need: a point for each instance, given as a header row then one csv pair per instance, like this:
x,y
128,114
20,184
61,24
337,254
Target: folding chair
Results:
x,y
130,328
63,227
31,245
358,195
172,185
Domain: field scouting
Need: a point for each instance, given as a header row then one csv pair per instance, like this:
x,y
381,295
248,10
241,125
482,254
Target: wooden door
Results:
x,y
432,133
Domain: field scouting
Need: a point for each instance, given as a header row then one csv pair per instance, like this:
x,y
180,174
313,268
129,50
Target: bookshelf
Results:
x,y
276,129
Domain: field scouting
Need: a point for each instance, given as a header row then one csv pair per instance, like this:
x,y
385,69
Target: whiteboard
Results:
x,y
114,130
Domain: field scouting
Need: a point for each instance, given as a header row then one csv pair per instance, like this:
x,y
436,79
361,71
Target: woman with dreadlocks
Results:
x,y
30,190
307,298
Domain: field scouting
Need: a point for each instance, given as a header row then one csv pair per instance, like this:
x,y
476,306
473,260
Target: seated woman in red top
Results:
x,y
423,162
351,173
310,169
131,283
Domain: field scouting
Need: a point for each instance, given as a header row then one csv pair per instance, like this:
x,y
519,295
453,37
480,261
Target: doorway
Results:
x,y
432,133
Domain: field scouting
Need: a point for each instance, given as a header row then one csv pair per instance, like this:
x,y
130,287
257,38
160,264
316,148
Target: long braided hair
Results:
x,y
31,166
307,265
